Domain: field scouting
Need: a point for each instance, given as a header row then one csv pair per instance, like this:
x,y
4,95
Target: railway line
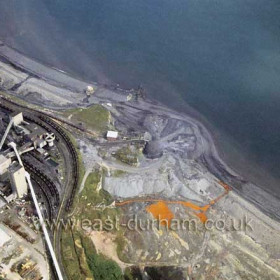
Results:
x,y
36,179
72,152
51,187
71,160
44,121
24,108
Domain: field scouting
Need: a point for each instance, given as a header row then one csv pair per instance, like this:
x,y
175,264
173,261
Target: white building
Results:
x,y
18,182
4,164
112,135
17,118
4,236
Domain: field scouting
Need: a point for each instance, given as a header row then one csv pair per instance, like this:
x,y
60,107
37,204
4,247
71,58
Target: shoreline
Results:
x,y
60,79
243,165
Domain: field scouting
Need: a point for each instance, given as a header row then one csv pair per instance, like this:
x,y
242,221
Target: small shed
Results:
x,y
112,135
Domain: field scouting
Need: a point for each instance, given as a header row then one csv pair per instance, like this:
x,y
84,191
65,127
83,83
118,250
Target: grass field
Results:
x,y
96,117
93,200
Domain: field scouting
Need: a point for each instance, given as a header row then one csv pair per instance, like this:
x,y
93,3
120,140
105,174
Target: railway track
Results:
x,y
12,103
51,187
37,180
44,120
71,159
72,152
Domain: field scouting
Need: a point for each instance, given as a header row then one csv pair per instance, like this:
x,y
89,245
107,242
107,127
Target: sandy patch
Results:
x,y
104,244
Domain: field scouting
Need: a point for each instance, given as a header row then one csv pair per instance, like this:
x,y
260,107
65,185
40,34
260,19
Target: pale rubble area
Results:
x,y
252,252
179,175
9,76
41,91
104,243
163,181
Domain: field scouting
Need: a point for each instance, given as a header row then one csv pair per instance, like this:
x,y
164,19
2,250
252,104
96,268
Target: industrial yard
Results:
x,y
97,153
33,144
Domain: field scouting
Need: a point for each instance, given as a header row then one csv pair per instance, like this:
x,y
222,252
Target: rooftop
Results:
x,y
112,134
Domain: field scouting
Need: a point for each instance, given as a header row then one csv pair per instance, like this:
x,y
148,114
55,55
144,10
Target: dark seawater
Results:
x,y
222,57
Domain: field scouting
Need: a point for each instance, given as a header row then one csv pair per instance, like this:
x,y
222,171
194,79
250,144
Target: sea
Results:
x,y
219,57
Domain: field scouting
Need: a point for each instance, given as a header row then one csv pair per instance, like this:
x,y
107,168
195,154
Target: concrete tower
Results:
x,y
17,179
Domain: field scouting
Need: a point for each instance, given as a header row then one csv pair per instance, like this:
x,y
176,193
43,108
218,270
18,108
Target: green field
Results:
x,y
92,201
96,117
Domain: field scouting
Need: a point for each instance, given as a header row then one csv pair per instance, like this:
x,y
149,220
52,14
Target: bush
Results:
x,y
101,267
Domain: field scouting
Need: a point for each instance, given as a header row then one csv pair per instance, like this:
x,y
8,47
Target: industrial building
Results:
x,y
112,135
4,164
35,133
30,136
16,118
4,236
31,146
17,179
